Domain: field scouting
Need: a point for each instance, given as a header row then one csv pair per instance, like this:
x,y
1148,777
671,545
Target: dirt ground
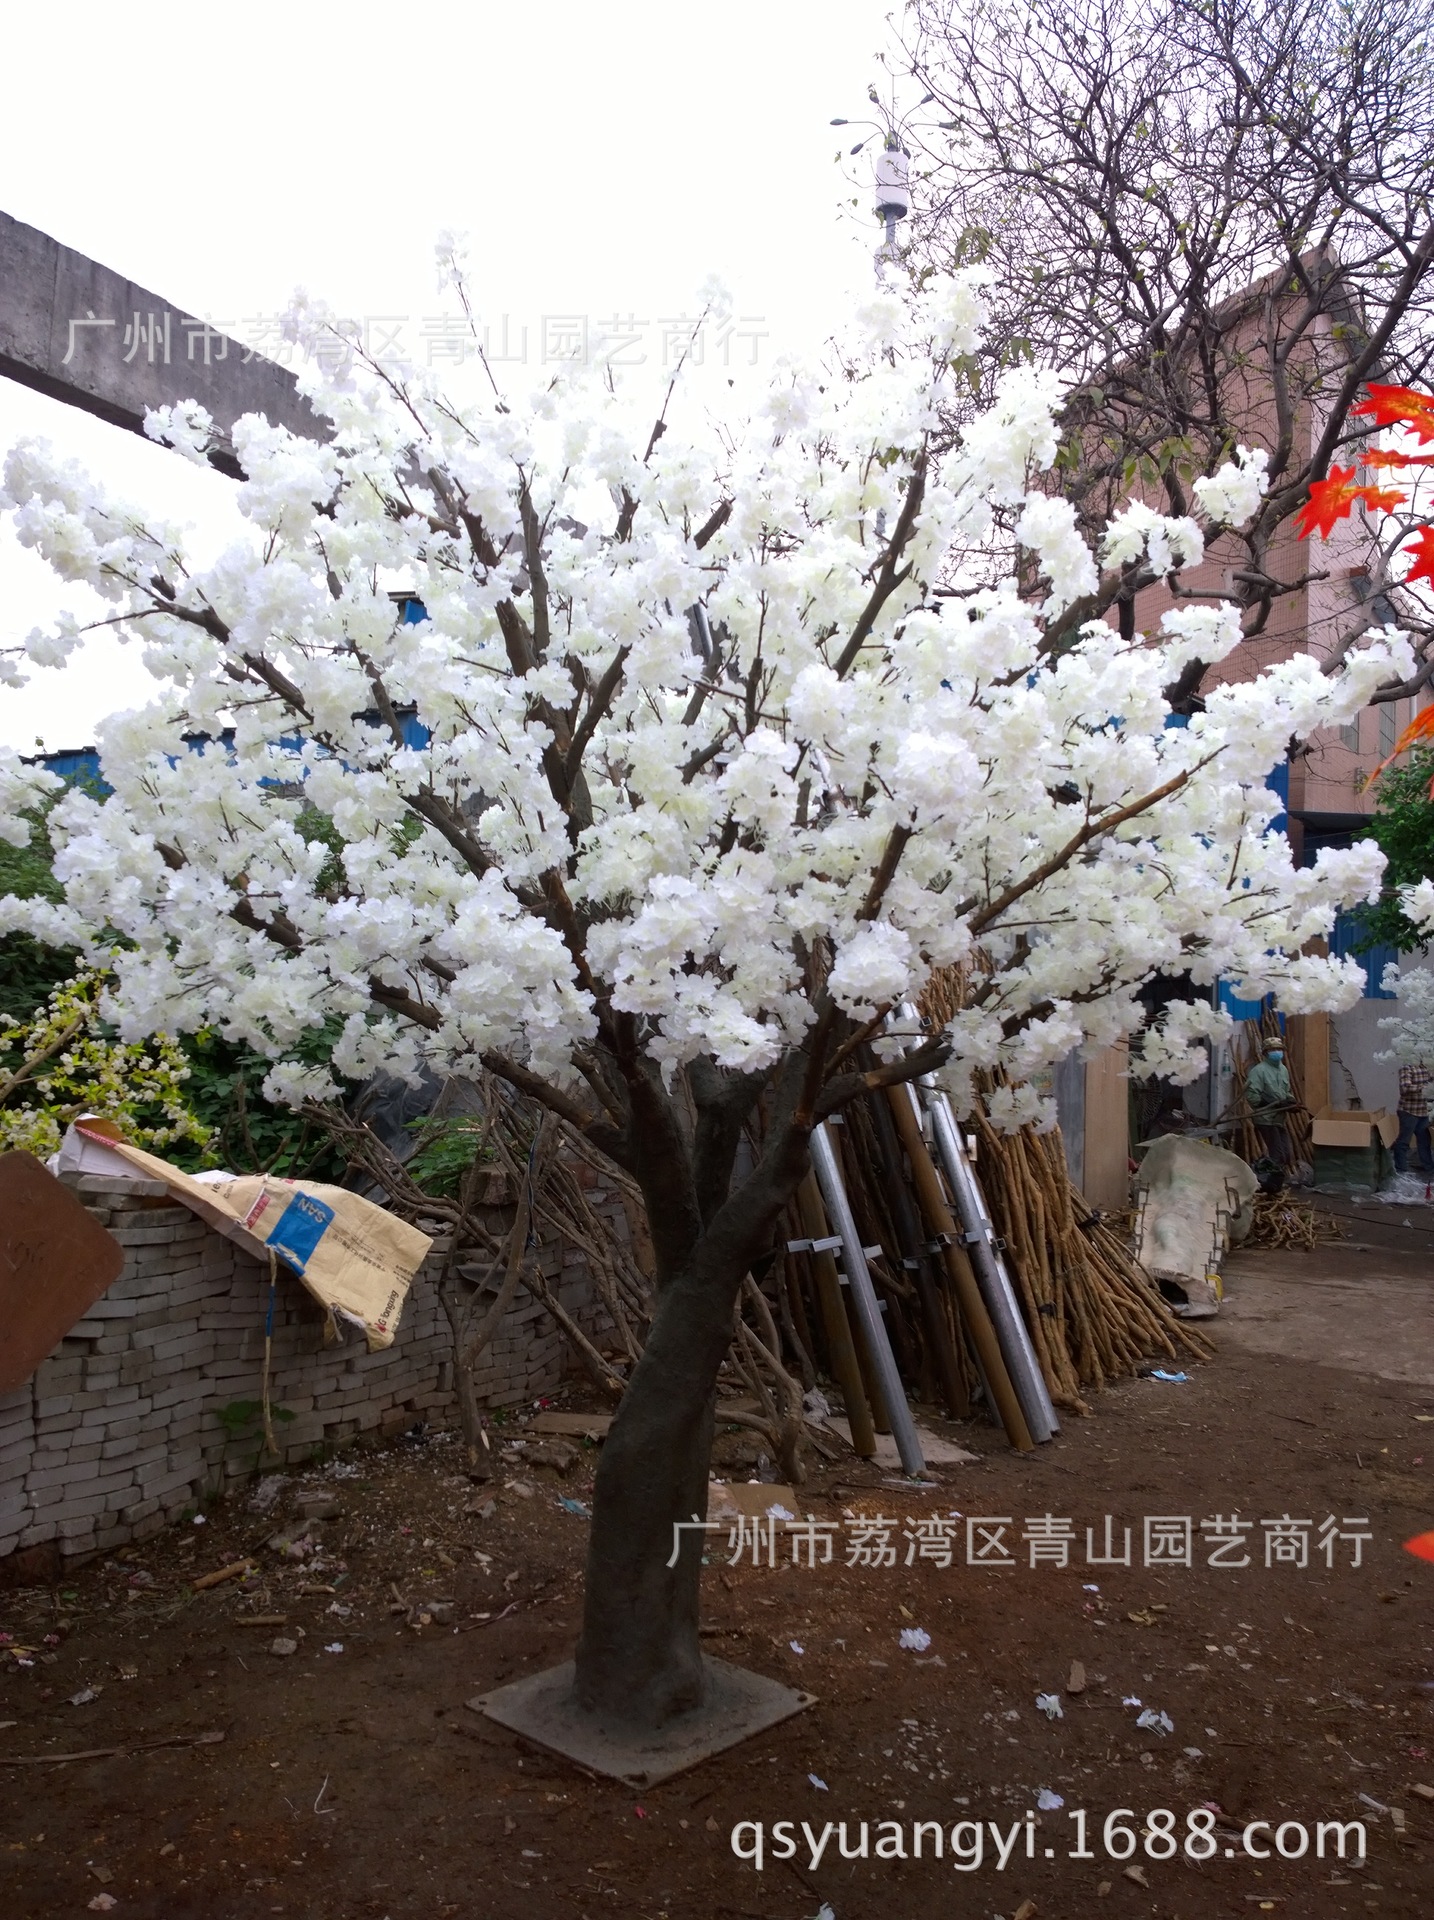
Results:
x,y
352,1781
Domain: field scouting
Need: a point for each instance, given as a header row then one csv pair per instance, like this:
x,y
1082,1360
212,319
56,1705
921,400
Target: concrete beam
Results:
x,y
81,333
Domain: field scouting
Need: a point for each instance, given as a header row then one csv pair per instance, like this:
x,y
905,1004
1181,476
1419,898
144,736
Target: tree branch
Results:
x,y
847,1087
1093,830
889,576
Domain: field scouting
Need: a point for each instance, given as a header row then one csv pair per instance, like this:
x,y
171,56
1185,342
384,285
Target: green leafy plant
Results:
x,y
239,1415
246,1133
238,1419
1403,825
444,1151
29,970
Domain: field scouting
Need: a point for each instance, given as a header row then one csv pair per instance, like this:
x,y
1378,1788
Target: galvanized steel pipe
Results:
x,y
864,1301
995,1282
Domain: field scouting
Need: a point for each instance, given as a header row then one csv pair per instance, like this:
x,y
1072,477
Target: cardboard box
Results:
x,y
1349,1127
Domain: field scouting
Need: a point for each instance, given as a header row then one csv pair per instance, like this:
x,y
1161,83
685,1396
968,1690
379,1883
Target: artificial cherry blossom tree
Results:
x,y
688,776
1411,1030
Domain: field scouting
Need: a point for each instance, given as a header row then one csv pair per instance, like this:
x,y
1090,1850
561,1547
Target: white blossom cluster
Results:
x,y
1411,1030
565,789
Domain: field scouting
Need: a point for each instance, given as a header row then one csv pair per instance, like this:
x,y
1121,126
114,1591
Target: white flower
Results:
x,y
1200,633
714,297
873,966
1232,495
450,253
1048,524
54,649
1411,1031
289,1085
187,427
545,807
1170,543
1418,904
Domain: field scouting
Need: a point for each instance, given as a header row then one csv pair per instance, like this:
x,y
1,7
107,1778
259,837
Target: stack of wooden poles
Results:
x,y
1044,1292
1091,1311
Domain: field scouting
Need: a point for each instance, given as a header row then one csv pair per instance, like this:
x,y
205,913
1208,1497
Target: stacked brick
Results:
x,y
120,1431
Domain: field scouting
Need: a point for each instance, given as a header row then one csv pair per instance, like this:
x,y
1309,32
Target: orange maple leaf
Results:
x,y
1423,552
1400,407
1384,457
1382,499
1420,728
1333,499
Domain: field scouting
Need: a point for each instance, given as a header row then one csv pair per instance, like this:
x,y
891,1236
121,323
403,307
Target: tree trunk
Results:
x,y
639,1664
470,1419
639,1661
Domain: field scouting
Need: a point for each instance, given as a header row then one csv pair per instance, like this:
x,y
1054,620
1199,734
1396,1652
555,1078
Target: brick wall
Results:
x,y
118,1432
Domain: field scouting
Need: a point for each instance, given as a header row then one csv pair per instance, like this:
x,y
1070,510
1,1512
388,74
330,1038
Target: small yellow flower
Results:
x,y
61,1064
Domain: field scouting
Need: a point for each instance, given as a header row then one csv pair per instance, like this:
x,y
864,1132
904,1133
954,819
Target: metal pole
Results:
x,y
980,1236
1000,1295
863,1300
916,1260
845,1365
1001,1396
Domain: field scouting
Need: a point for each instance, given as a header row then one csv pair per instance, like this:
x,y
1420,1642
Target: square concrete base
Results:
x,y
739,1704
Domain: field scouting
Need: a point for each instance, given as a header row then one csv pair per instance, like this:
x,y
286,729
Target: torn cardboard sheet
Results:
x,y
753,1499
356,1259
56,1260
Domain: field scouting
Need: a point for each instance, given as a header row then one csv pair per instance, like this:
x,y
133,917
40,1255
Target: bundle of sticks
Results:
x,y
1282,1222
1090,1312
547,1176
1093,1308
1243,1138
1090,1309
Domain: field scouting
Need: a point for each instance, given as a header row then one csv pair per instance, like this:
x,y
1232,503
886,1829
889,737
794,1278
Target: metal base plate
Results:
x,y
739,1704
935,1451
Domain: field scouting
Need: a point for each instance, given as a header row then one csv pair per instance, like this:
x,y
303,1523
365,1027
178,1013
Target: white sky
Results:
x,y
603,160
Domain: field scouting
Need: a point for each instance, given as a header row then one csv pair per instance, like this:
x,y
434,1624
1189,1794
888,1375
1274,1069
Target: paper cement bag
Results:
x,y
354,1258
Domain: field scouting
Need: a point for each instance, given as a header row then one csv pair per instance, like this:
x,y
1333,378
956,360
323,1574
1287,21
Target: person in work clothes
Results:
x,y
1414,1082
1270,1097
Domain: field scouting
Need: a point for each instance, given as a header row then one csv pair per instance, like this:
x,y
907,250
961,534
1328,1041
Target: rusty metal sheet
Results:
x,y
55,1262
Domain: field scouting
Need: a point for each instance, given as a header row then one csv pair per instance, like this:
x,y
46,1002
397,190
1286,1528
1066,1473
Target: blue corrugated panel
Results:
x,y
1348,932
1239,1009
75,764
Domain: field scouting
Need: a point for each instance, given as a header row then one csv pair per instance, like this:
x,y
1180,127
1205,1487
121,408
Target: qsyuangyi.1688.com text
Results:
x,y
1121,1835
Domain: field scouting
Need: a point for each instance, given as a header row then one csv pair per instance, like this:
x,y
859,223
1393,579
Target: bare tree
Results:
x,y
1220,215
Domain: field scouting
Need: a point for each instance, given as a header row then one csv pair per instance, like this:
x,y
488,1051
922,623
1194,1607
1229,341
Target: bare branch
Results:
x,y
847,1087
896,844
889,575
